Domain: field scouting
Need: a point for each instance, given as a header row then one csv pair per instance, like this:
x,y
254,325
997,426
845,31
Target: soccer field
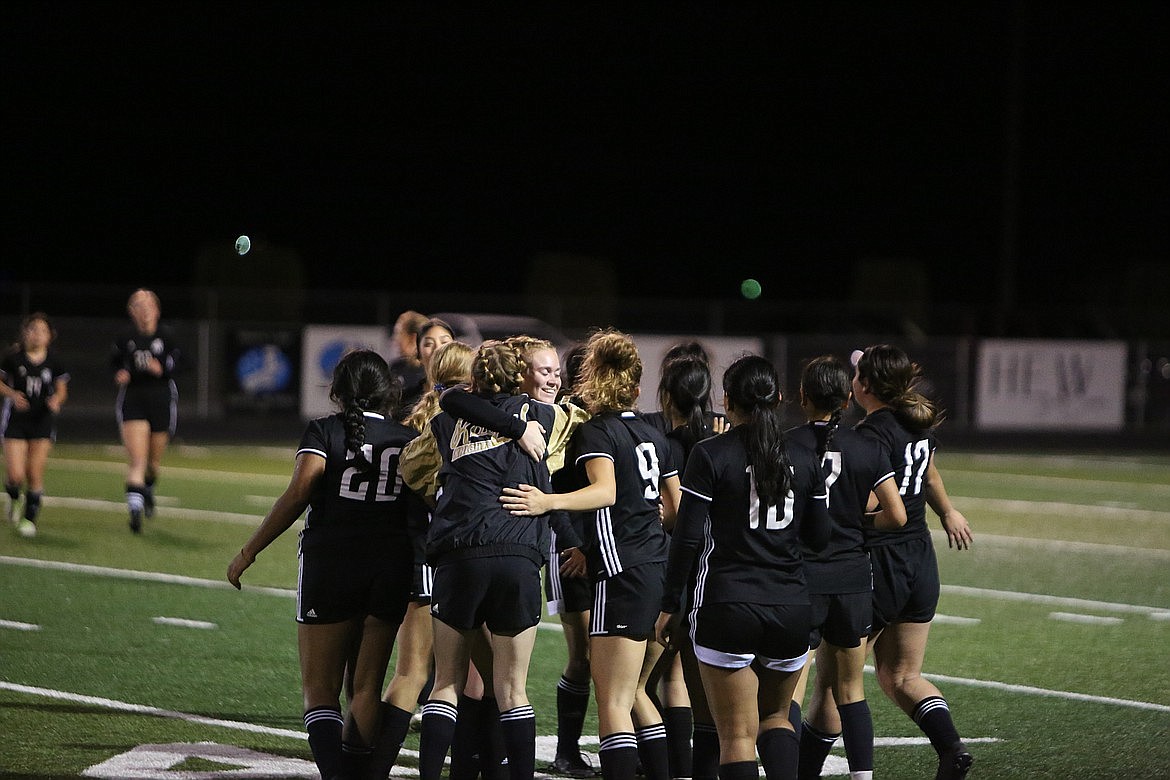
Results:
x,y
127,656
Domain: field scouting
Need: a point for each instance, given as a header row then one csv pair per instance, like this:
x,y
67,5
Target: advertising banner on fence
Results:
x,y
322,347
263,370
1026,384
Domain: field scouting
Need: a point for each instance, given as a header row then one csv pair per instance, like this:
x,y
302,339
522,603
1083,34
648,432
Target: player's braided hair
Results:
x,y
685,387
450,366
827,385
610,373
362,382
894,379
497,368
753,388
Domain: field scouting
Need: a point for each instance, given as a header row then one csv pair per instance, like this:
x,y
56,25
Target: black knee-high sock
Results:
x,y
355,759
13,490
618,754
32,505
739,770
324,727
652,751
933,716
438,726
493,752
779,753
148,494
465,740
705,754
814,749
519,730
857,731
794,717
678,740
572,704
391,734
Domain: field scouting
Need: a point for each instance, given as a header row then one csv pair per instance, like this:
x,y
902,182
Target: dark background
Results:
x,y
1010,153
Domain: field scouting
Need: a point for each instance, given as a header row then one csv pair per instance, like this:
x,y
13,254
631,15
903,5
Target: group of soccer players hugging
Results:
x,y
693,559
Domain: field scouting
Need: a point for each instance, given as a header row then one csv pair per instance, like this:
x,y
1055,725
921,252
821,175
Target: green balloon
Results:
x,y
750,289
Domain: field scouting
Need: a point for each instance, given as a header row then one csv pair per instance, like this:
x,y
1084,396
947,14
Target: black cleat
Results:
x,y
954,763
148,503
573,766
136,521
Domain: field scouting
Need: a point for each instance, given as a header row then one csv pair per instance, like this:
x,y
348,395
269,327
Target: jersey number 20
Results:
x,y
355,485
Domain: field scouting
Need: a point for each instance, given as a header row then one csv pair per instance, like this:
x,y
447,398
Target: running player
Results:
x,y
750,499
839,577
144,361
628,469
356,558
905,571
34,386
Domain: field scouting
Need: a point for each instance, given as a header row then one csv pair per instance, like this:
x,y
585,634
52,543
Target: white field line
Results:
x,y
184,623
1061,508
980,592
177,512
1058,545
1052,601
1111,485
1093,620
198,475
16,625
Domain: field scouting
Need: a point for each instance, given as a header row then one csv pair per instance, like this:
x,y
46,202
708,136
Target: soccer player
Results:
x,y
627,466
905,571
750,499
487,564
407,366
839,577
356,558
144,361
34,386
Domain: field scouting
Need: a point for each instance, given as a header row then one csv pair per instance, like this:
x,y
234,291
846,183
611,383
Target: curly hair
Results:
x,y
498,367
893,378
450,366
610,373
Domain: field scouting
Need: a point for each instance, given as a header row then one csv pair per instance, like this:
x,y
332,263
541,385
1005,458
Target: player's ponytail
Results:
x,y
685,388
826,385
497,367
362,383
752,387
610,372
894,380
450,365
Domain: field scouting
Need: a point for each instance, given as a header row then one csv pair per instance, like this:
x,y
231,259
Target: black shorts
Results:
x,y
30,425
501,592
841,619
566,594
627,604
905,582
157,404
424,583
732,636
354,578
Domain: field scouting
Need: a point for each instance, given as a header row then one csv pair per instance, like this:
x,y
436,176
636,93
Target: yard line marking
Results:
x,y
179,513
18,626
183,622
1028,689
955,620
1057,545
142,709
203,475
1052,601
1072,617
1019,505
1156,488
1159,616
131,574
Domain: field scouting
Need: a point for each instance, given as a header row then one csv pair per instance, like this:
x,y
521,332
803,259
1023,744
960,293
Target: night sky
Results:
x,y
439,147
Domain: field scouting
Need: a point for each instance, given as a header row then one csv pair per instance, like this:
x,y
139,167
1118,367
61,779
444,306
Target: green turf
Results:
x,y
1060,698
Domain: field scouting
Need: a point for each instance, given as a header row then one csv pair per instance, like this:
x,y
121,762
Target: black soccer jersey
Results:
x,y
360,498
468,520
38,381
748,551
629,532
853,466
133,351
909,453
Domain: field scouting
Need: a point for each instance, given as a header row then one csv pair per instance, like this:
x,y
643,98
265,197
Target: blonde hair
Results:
x,y
610,372
450,365
498,368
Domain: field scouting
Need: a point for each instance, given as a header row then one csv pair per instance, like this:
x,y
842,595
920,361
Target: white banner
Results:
x,y
722,351
1050,385
321,347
